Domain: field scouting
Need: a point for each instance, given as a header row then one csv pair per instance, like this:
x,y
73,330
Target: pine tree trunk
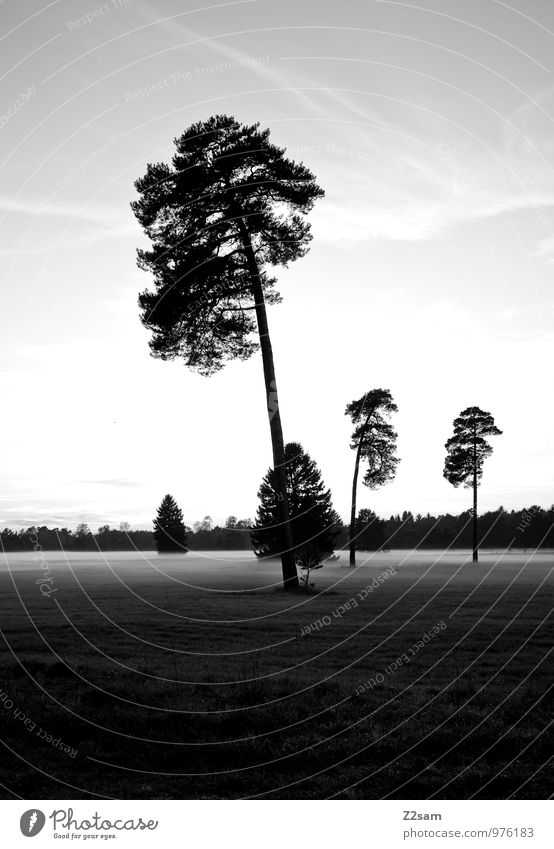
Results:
x,y
475,541
352,541
288,560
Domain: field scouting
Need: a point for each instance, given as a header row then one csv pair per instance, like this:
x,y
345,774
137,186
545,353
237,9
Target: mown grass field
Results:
x,y
196,677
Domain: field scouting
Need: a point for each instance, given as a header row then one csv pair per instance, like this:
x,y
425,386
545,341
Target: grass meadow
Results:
x,y
196,676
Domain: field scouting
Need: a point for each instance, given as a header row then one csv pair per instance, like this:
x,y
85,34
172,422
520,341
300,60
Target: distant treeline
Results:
x,y
43,538
529,528
62,539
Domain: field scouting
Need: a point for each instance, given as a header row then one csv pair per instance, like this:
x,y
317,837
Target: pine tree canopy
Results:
x,y
374,436
314,522
169,529
468,448
228,191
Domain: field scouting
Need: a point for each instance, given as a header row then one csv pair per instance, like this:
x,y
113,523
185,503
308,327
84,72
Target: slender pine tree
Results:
x,y
466,452
374,441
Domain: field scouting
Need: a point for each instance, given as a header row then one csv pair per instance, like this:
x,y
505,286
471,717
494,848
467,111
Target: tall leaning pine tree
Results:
x,y
229,206
466,451
374,441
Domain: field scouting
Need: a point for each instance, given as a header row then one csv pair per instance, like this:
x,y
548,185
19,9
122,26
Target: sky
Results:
x,y
430,127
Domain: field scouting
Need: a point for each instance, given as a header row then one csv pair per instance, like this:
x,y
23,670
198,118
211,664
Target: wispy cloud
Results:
x,y
545,249
35,236
119,482
413,219
43,207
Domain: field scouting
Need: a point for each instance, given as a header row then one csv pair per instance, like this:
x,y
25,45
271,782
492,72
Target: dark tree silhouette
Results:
x,y
374,441
466,452
230,205
82,536
169,529
370,531
314,522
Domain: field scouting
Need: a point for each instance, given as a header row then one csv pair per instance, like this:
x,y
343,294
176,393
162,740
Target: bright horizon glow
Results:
x,y
429,274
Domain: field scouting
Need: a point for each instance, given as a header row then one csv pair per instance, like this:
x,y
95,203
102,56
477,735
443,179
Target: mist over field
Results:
x,y
414,675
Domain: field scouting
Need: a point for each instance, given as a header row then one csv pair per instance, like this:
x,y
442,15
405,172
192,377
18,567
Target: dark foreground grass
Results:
x,y
196,678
